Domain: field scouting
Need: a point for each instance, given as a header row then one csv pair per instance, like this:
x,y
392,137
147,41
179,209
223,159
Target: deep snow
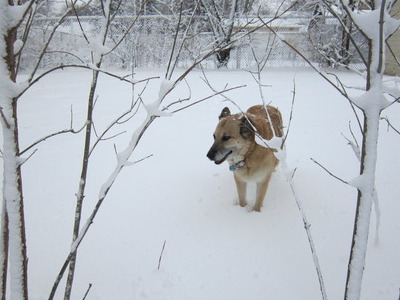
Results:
x,y
214,248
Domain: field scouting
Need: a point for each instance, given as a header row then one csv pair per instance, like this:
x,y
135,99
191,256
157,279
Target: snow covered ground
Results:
x,y
214,249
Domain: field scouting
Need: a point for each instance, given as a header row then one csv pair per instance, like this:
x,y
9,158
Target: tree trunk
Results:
x,y
4,251
345,46
223,57
14,208
364,206
13,239
373,104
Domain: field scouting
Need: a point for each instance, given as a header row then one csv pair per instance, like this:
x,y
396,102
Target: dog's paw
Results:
x,y
257,208
242,204
239,203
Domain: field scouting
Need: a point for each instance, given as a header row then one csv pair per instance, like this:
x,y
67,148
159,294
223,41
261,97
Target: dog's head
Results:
x,y
233,138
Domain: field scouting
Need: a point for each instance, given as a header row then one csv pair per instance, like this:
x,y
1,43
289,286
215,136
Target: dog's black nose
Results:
x,y
211,154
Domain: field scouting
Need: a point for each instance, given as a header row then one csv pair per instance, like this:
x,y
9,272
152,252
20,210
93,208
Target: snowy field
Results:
x,y
214,249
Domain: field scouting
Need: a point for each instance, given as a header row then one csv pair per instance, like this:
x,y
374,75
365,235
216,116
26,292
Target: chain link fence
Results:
x,y
150,41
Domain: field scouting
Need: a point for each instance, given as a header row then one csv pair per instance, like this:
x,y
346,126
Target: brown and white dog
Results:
x,y
234,141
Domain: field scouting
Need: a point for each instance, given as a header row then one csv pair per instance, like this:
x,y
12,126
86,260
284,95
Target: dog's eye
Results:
x,y
226,138
214,136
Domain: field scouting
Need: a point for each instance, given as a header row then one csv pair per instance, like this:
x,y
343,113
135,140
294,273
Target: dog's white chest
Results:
x,y
252,175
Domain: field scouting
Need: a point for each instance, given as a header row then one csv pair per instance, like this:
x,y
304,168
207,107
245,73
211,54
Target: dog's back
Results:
x,y
259,118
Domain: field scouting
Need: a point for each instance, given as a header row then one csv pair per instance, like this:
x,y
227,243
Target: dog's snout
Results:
x,y
211,153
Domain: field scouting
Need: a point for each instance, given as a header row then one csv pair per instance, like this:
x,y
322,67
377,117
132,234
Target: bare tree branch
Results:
x,y
394,55
87,291
50,136
128,30
87,67
4,118
330,173
203,99
161,255
174,42
316,69
307,227
333,11
290,116
50,38
390,124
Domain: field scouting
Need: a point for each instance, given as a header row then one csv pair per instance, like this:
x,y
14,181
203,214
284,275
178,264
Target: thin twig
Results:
x,y
77,66
4,118
161,255
73,131
127,31
128,164
178,25
50,38
25,35
206,81
26,159
330,173
87,291
205,98
297,51
335,14
389,47
291,114
185,38
307,227
390,124
353,135
117,121
79,23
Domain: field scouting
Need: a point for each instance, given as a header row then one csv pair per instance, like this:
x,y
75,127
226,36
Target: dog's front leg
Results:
x,y
241,189
261,191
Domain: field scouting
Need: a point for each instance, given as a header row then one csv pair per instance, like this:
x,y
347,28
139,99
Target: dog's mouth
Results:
x,y
220,161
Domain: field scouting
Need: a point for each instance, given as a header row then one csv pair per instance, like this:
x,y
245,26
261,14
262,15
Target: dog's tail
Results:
x,y
262,121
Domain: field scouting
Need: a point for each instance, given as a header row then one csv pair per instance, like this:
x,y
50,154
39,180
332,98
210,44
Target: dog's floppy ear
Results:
x,y
246,128
224,113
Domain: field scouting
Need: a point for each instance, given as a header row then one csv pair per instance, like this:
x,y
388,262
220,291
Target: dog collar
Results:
x,y
236,166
